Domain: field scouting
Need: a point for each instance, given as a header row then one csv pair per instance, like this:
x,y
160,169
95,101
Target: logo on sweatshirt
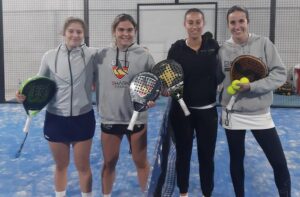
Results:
x,y
120,68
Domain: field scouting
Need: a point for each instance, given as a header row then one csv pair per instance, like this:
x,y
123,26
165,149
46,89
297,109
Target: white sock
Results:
x,y
184,195
60,194
106,195
86,194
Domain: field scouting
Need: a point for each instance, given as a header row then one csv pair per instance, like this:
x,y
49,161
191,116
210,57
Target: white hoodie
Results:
x,y
260,97
73,71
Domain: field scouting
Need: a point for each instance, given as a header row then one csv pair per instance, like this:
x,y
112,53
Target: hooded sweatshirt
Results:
x,y
260,97
113,98
202,70
73,71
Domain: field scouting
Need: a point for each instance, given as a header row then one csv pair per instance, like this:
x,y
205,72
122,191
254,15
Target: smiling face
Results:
x,y
194,24
124,34
74,35
238,26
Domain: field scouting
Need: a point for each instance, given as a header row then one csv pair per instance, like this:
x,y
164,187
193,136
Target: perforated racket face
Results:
x,y
143,88
169,72
248,66
38,91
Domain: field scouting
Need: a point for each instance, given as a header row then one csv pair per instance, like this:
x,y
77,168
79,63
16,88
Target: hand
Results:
x,y
150,104
244,87
20,97
93,87
165,92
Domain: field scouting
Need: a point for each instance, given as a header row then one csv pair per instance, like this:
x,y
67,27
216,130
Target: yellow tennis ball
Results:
x,y
234,84
230,90
244,80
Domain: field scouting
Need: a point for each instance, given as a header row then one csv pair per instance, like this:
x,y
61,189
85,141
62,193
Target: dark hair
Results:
x,y
71,20
240,9
121,18
193,10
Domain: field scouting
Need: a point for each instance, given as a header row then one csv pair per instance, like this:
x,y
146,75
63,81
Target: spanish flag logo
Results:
x,y
120,70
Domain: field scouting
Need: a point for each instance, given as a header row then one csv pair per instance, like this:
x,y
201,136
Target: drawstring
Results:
x,y
56,57
117,58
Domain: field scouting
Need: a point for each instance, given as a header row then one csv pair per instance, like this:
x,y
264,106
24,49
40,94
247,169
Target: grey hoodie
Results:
x,y
113,97
260,96
73,71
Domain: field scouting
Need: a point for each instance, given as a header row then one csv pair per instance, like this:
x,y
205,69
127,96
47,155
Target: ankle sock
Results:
x,y
89,194
60,194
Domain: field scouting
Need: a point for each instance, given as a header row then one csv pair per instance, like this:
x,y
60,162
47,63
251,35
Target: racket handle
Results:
x,y
184,107
133,120
231,102
27,124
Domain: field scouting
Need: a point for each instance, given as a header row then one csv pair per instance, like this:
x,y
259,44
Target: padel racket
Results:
x,y
246,66
171,75
38,91
143,88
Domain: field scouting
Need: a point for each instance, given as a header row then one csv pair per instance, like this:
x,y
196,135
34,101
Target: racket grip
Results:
x,y
27,124
231,102
133,120
184,107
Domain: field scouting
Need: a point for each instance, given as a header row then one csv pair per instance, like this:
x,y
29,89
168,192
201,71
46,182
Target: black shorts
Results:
x,y
121,129
70,128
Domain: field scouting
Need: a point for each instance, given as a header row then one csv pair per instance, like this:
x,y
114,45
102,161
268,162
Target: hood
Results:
x,y
132,47
63,47
252,38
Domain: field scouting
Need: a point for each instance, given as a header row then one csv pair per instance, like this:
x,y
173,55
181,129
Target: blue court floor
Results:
x,y
31,175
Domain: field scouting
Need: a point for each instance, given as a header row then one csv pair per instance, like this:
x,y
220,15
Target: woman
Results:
x,y
252,107
197,55
118,65
70,117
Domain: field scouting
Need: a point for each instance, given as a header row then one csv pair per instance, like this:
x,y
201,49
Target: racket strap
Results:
x,y
129,142
227,119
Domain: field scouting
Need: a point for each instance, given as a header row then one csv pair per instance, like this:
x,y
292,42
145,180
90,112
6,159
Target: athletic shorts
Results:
x,y
121,129
70,128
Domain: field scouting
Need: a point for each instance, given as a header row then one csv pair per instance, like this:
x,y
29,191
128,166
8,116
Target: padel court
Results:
x,y
32,173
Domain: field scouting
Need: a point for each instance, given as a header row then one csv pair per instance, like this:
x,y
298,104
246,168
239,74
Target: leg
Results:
x,y
139,156
236,144
206,125
183,133
82,151
111,149
270,143
61,156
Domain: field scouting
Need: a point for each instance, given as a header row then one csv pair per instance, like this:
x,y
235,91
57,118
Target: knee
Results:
x,y
83,168
141,164
62,165
280,166
110,164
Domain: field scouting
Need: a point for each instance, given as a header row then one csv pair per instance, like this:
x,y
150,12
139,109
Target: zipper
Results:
x,y
71,77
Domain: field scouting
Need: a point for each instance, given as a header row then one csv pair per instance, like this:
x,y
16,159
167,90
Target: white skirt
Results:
x,y
235,121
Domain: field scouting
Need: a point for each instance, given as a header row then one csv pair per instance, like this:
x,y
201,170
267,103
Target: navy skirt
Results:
x,y
121,129
69,128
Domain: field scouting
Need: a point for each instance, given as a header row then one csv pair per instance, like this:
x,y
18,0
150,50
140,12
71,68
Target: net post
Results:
x,y
2,81
272,20
86,21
